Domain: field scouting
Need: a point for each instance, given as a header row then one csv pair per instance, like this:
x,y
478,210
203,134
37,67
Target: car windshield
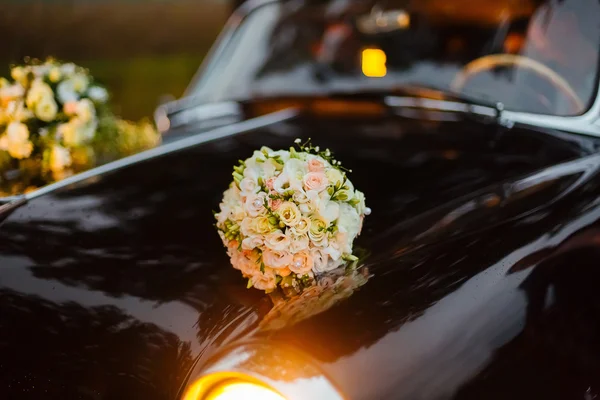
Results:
x,y
533,56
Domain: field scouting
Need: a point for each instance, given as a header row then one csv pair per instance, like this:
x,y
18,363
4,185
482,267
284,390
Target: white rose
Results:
x,y
238,213
46,109
289,213
255,204
252,242
224,215
359,197
334,176
246,227
295,170
282,183
318,229
277,241
300,197
320,261
301,227
326,209
249,186
299,243
335,246
276,259
349,220
60,158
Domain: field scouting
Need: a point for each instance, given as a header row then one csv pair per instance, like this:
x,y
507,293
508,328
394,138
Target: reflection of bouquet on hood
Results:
x,y
55,120
329,289
289,215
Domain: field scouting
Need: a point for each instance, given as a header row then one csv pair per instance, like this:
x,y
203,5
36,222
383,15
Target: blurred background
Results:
x,y
140,49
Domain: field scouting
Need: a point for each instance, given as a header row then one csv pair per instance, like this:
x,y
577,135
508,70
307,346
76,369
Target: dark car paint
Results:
x,y
112,288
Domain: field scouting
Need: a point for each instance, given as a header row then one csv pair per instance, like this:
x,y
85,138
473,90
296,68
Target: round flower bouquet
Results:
x,y
289,216
55,120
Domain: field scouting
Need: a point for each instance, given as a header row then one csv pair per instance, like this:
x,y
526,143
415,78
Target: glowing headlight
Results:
x,y
242,390
260,371
219,387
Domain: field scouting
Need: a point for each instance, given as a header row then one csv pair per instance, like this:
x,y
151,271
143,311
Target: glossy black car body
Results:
x,y
483,261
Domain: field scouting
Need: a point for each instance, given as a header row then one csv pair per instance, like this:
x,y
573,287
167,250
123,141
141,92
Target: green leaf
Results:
x,y
249,285
262,266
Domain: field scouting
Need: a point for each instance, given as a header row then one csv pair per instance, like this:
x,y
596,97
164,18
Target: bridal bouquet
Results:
x,y
55,120
290,215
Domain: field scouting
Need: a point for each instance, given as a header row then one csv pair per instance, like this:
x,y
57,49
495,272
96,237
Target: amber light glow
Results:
x,y
242,390
229,389
374,63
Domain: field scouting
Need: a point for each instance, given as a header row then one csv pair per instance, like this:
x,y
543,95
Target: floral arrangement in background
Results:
x,y
55,120
289,216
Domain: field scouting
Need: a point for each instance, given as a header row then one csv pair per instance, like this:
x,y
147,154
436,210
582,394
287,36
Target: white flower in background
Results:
x,y
54,74
60,158
11,92
38,91
98,94
16,140
80,83
85,110
46,109
19,74
76,132
66,91
16,111
68,69
40,71
293,213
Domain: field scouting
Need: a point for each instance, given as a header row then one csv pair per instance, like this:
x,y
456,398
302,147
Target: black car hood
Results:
x,y
112,288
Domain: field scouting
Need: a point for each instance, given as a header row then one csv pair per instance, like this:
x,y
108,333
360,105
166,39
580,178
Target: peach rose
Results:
x,y
270,182
277,241
276,259
301,263
316,165
274,204
264,280
316,181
